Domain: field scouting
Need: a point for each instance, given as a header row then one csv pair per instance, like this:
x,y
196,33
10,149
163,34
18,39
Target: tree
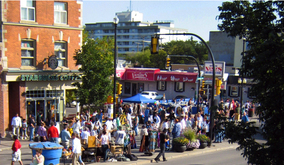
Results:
x,y
189,47
96,62
147,59
261,23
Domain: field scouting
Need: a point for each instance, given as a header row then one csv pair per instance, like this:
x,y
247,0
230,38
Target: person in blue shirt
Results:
x,y
100,116
245,118
177,129
65,136
147,111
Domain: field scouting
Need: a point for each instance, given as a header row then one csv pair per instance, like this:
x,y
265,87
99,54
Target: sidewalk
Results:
x,y
6,143
173,155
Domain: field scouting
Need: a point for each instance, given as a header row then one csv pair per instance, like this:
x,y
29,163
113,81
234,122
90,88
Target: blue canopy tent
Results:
x,y
138,99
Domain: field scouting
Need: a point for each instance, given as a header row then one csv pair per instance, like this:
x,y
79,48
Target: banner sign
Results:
x,y
219,68
176,77
141,74
50,77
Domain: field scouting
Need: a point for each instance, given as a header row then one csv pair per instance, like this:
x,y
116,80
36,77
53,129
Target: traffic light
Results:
x,y
168,61
109,99
119,89
154,45
218,86
203,84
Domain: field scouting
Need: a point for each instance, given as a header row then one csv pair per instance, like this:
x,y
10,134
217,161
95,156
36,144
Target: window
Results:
x,y
60,12
28,10
179,86
60,50
127,87
234,91
27,53
161,85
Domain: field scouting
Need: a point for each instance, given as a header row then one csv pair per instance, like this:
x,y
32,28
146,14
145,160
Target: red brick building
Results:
x,y
32,32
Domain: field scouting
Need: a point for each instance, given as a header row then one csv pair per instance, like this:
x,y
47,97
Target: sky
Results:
x,y
197,17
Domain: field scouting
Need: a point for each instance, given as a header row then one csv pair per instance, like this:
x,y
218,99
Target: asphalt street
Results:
x,y
222,157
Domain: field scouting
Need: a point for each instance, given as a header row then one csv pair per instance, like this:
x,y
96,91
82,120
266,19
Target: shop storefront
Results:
x,y
39,93
172,84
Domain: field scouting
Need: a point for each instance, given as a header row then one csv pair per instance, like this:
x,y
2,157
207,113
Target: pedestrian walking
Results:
x,y
16,154
16,124
42,132
163,139
76,149
31,125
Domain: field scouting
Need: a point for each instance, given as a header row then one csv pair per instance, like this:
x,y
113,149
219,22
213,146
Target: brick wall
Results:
x,y
44,12
4,107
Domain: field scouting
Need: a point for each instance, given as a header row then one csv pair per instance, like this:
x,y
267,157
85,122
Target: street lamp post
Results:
x,y
115,22
242,81
213,77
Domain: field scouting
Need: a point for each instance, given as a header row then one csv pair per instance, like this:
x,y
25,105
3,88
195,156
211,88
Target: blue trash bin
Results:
x,y
52,152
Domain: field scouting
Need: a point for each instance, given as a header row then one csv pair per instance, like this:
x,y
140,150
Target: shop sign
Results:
x,y
142,75
176,77
219,68
50,77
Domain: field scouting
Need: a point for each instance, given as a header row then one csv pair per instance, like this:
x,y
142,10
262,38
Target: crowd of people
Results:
x,y
158,125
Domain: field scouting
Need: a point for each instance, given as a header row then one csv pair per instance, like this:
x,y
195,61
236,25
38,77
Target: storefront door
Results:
x,y
134,89
35,108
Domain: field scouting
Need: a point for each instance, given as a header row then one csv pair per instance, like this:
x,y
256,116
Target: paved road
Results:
x,y
223,157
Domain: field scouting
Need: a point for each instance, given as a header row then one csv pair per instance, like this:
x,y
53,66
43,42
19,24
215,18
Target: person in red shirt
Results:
x,y
16,147
52,133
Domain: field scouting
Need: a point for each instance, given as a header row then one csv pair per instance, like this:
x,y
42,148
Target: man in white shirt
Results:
x,y
128,117
165,125
109,124
120,136
199,120
76,149
185,109
158,120
85,135
182,122
16,124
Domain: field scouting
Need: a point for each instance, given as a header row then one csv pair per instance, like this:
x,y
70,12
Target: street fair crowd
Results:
x,y
98,137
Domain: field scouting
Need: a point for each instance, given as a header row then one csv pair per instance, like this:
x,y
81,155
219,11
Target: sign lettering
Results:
x,y
50,77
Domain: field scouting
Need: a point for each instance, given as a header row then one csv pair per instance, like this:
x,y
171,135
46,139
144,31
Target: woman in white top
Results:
x,y
38,159
105,143
94,131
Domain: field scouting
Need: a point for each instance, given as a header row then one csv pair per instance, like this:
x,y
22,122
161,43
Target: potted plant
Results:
x,y
203,140
191,136
180,143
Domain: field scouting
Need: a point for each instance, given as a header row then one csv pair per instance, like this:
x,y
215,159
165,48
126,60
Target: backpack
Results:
x,y
132,157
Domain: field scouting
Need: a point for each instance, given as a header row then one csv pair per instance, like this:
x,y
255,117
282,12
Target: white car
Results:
x,y
152,95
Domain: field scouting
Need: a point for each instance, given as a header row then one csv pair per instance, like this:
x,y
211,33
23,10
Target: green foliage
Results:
x,y
189,47
147,59
96,61
203,138
190,135
70,96
261,23
180,140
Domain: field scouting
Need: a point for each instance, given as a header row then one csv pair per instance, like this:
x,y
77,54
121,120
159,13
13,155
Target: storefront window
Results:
x,y
140,87
161,85
48,102
234,91
127,87
179,86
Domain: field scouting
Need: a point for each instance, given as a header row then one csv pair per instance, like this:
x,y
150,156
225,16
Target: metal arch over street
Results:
x,y
213,82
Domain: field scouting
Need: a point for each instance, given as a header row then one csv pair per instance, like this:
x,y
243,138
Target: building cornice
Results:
x,y
42,26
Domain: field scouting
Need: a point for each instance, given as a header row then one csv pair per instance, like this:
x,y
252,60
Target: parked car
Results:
x,y
152,95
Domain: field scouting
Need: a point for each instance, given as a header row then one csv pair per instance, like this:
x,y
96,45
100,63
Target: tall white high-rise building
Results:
x,y
132,33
